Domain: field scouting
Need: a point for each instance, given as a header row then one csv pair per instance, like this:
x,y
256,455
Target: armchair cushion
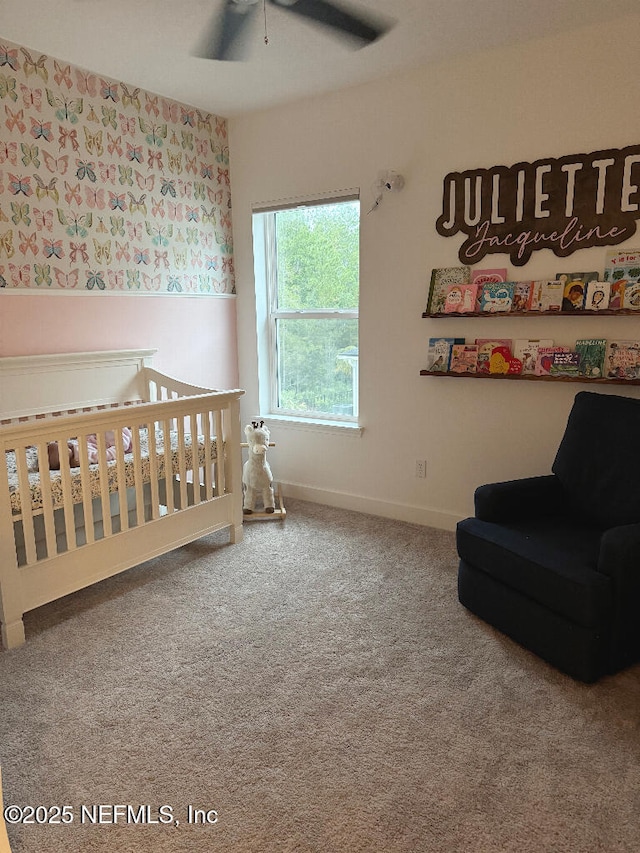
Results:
x,y
597,463
550,561
514,499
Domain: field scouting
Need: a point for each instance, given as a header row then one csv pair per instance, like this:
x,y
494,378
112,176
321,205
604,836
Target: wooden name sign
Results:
x,y
567,204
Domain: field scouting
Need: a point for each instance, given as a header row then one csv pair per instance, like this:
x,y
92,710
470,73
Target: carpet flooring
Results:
x,y
316,688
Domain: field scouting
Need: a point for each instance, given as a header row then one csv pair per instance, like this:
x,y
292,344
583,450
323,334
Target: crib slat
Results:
x,y
153,470
220,451
182,463
137,473
168,473
65,476
107,526
28,530
48,517
122,484
87,504
195,458
205,426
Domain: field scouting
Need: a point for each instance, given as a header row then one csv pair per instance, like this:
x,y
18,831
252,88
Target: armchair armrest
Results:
x,y
514,499
620,559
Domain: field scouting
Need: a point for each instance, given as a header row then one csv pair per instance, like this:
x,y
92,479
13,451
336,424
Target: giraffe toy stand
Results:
x,y
257,479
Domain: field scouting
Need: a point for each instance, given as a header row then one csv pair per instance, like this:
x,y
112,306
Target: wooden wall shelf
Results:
x,y
622,312
527,377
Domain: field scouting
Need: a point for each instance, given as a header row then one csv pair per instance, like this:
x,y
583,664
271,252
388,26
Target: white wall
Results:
x,y
567,94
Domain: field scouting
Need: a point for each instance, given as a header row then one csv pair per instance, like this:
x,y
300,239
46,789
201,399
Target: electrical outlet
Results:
x,y
421,468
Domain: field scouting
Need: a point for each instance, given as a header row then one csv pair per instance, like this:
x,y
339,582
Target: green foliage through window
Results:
x,y
318,257
317,271
314,374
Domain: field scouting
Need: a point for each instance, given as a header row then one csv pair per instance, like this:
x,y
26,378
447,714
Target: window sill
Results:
x,y
353,430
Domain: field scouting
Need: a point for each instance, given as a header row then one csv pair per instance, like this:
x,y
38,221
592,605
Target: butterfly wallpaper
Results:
x,y
104,186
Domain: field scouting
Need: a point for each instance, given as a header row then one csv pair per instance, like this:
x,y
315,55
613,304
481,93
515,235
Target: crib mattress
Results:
x,y
94,480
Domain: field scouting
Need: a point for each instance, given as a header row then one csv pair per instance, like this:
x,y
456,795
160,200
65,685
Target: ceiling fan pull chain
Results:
x,y
264,9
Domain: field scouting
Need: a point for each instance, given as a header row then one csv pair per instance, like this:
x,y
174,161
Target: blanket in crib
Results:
x,y
94,484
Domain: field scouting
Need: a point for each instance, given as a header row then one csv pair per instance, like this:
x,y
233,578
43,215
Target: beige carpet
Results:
x,y
321,689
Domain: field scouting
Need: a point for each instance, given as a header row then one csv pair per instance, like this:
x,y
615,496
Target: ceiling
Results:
x,y
150,43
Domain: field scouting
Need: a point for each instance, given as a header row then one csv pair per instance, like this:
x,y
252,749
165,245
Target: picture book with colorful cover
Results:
x,y
622,259
500,360
597,296
545,359
574,285
626,261
592,352
460,299
527,351
565,364
485,349
439,353
496,296
441,278
546,295
464,358
522,295
488,276
578,281
616,299
622,269
631,298
623,360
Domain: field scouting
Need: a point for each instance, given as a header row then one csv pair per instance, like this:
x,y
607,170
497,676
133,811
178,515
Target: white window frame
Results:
x,y
268,313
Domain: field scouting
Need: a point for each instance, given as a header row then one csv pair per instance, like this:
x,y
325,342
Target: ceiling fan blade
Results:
x,y
357,25
225,38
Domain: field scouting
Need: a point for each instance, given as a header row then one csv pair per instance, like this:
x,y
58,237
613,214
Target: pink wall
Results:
x,y
195,336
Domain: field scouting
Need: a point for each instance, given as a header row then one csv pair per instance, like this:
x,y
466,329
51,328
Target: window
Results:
x,y
307,267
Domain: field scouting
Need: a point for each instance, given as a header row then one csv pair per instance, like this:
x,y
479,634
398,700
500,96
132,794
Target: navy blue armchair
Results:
x,y
554,561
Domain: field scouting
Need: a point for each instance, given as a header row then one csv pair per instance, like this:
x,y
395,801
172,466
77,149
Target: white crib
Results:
x,y
63,530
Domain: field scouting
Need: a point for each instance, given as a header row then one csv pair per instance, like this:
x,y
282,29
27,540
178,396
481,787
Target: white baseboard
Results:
x,y
358,503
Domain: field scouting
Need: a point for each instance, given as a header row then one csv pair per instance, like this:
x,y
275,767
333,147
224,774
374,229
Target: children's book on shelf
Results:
x,y
616,299
597,296
623,360
460,298
522,295
622,259
500,360
631,298
628,261
439,353
487,276
485,349
574,285
441,278
546,295
527,351
496,296
592,352
545,359
464,358
622,269
565,364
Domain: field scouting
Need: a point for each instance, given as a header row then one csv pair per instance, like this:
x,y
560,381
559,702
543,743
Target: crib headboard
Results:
x,y
55,383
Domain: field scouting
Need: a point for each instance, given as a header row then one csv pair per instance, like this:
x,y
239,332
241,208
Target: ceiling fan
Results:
x,y
229,29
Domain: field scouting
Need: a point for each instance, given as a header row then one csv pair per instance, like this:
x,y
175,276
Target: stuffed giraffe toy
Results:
x,y
257,478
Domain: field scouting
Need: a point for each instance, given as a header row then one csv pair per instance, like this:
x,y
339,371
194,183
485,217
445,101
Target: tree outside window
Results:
x,y
312,276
